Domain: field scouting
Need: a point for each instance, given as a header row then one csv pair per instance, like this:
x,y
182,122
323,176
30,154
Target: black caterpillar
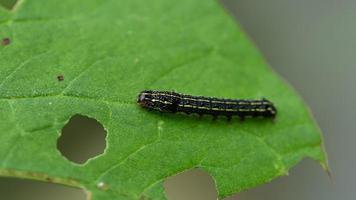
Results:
x,y
172,102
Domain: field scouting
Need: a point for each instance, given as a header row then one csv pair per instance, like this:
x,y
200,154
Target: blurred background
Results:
x,y
311,44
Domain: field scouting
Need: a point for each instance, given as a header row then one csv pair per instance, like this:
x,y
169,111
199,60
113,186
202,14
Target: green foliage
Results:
x,y
108,51
8,3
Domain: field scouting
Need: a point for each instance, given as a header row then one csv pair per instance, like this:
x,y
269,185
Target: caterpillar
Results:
x,y
173,102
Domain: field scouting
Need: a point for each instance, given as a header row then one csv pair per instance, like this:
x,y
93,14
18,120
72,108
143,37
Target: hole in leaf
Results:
x,y
19,189
82,138
305,181
194,184
9,4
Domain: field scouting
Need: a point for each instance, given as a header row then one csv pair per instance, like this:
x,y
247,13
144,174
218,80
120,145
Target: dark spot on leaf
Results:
x,y
144,197
9,4
82,138
60,78
5,41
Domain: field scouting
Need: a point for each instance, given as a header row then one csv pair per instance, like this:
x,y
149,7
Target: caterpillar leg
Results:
x,y
274,119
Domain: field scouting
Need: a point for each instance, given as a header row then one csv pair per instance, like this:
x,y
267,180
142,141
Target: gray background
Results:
x,y
312,44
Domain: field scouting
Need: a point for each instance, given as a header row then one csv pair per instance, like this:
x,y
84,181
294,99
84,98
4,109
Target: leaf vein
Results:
x,y
21,65
158,137
272,150
70,84
180,65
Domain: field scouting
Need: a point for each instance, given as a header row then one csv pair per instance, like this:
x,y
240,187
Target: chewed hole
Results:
x,y
19,189
9,4
191,185
82,138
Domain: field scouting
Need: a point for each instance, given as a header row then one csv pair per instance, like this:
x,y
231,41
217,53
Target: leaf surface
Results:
x,y
107,52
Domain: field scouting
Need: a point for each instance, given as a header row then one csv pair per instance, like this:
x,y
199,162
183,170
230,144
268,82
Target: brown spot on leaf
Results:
x,y
5,41
60,78
48,179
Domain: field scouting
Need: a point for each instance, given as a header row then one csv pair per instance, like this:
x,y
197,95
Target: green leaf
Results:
x,y
108,51
9,4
